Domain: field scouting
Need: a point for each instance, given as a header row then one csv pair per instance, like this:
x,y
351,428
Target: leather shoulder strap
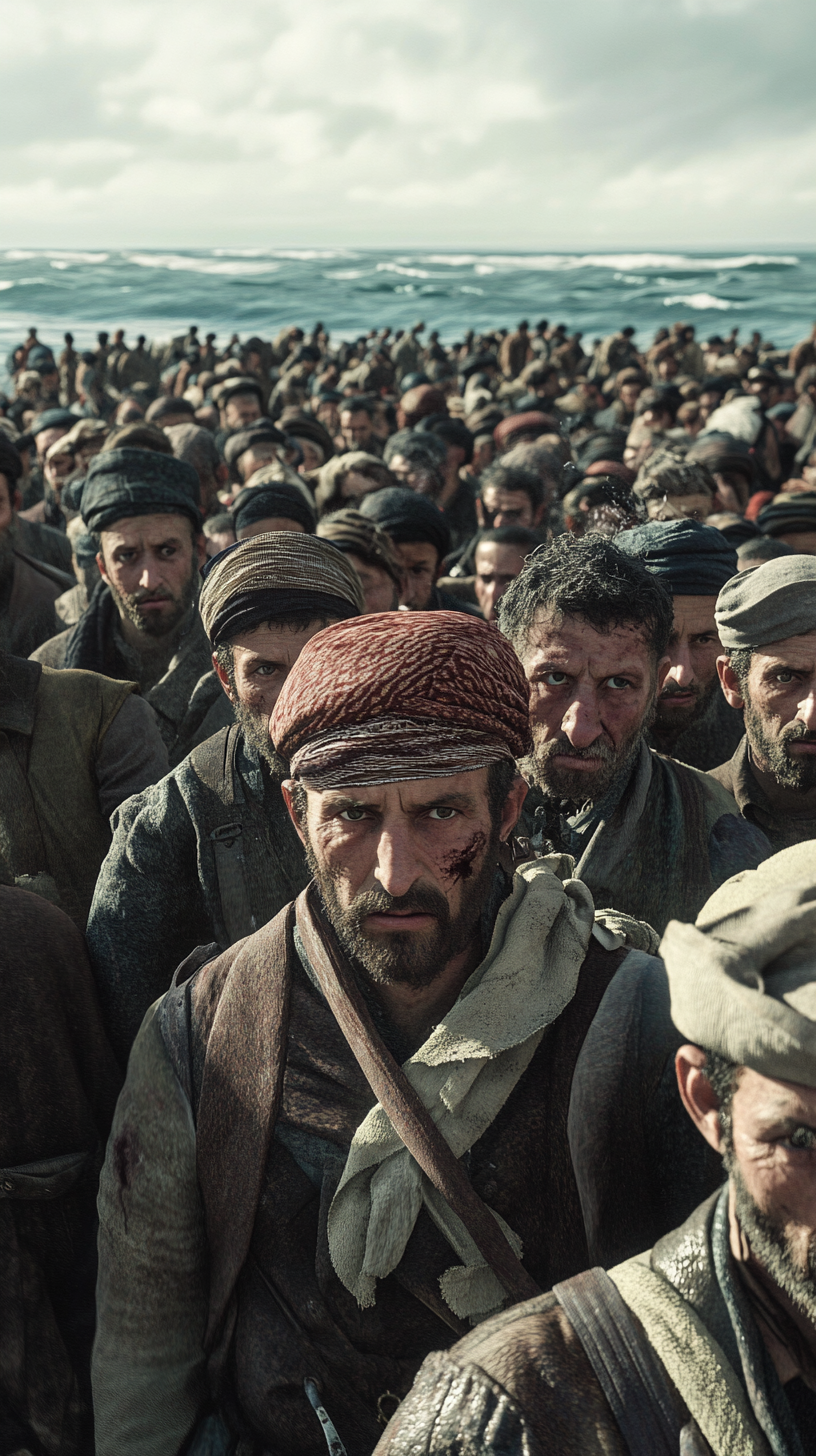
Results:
x,y
628,1371
402,1104
240,1099
211,761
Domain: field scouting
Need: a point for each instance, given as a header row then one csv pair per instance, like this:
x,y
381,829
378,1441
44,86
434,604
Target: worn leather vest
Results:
x,y
290,1316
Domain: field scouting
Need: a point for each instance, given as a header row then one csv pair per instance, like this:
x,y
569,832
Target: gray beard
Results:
x,y
798,774
772,1249
571,784
408,959
255,728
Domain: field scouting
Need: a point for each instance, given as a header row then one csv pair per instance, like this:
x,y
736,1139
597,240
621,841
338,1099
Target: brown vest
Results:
x,y
52,724
290,1317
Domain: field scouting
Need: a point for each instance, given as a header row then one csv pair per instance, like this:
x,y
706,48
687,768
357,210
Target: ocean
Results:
x,y
258,290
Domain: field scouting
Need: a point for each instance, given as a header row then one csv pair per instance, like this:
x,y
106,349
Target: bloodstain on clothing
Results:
x,y
125,1154
459,865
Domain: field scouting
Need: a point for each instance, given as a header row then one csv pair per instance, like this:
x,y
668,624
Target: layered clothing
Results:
x,y
738,778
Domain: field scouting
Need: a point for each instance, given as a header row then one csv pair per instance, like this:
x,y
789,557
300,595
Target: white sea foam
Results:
x,y
5,283
700,300
177,262
25,255
627,262
403,271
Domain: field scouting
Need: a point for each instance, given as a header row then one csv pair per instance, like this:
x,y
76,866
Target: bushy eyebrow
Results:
x,y
340,802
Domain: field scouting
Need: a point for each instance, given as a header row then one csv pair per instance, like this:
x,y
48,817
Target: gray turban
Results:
x,y
743,979
768,604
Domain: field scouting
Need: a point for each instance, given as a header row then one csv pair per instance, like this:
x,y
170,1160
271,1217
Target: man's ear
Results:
x,y
697,1094
729,682
100,561
200,548
538,513
512,807
288,790
223,677
662,671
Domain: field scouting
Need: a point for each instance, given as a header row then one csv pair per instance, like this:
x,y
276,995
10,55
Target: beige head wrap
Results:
x,y
276,575
743,979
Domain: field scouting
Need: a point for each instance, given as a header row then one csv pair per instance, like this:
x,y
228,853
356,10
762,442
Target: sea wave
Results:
x,y
25,255
701,301
178,262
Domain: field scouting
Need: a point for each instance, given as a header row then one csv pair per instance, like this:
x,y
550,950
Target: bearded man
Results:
x,y
141,623
693,721
591,626
211,848
766,619
706,1345
295,1206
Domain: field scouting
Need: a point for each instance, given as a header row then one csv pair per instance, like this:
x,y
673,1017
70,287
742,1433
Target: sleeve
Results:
x,y
734,845
148,1368
132,755
148,909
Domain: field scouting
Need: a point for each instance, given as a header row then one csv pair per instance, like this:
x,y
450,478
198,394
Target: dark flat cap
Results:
x,y
52,419
254,434
406,516
168,404
690,559
788,512
126,482
720,451
237,384
259,502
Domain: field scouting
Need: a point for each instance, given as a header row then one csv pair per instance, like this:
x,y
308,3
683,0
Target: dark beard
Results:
x,y
6,557
770,1246
255,727
790,773
409,958
669,723
571,784
153,626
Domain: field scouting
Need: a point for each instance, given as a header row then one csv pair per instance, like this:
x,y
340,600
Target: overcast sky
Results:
x,y
512,123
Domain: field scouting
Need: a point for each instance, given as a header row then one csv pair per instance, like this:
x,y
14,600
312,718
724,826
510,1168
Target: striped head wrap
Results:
x,y
351,531
401,695
279,574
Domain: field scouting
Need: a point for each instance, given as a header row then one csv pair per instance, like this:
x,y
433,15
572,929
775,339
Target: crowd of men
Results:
x,y
408,880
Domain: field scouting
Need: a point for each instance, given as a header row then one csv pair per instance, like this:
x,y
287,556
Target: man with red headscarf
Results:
x,y
437,1082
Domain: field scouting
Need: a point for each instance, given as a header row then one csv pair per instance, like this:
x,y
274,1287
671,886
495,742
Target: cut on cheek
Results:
x,y
458,864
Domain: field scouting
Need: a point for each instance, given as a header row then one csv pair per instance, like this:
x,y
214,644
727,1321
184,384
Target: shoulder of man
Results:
x,y
53,652
523,1373
699,783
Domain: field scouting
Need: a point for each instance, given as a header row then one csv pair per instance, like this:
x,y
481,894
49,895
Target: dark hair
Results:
x,y
591,578
352,404
292,622
426,450
513,477
722,1077
214,525
511,536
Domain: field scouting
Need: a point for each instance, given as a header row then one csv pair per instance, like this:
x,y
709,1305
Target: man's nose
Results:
x,y
149,574
681,671
582,722
807,710
397,865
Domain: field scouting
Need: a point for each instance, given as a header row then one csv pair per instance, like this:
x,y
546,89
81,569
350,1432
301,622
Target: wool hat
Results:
x,y
788,512
768,603
407,516
261,502
279,574
743,977
51,419
126,482
353,532
689,558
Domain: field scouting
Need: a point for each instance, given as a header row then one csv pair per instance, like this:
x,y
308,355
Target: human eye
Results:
x,y
353,814
554,679
784,675
266,669
802,1138
441,811
617,683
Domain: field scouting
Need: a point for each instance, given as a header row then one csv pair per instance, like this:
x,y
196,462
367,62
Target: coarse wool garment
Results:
x,y
453,676
122,483
743,978
272,574
768,603
689,558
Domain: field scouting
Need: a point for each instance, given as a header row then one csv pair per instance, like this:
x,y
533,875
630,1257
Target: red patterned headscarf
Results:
x,y
401,695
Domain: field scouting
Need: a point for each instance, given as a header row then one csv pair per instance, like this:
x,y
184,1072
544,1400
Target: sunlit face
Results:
x,y
262,659
356,485
241,409
420,564
506,508
592,695
355,427
496,566
779,697
405,868
691,680
151,565
46,438
263,452
673,507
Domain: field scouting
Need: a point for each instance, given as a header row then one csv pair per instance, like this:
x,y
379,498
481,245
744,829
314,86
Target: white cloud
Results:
x,y
636,122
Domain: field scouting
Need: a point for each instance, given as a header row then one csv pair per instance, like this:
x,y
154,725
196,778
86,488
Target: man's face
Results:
x,y
258,455
592,697
496,566
691,681
151,565
709,401
770,1155
629,395
802,542
673,507
405,869
355,427
780,710
262,659
415,476
420,564
733,489
56,469
356,485
241,409
46,438
497,507
329,416
483,454
379,589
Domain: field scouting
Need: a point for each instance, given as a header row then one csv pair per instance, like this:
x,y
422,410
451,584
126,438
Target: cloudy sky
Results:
x,y
513,123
